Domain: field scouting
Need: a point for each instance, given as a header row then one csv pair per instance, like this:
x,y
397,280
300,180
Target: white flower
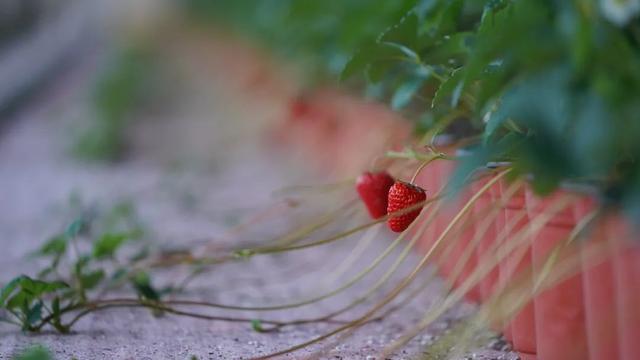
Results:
x,y
619,11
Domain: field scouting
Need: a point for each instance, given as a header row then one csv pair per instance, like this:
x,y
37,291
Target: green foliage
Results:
x,y
142,283
24,297
35,352
56,246
107,244
552,86
256,325
89,248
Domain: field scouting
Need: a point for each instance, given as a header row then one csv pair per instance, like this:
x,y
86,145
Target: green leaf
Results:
x,y
90,280
357,63
491,85
142,283
81,263
24,290
9,288
377,70
405,92
55,306
34,314
256,325
57,245
38,287
36,352
450,17
402,49
451,50
20,300
77,227
108,244
450,88
496,120
56,316
405,32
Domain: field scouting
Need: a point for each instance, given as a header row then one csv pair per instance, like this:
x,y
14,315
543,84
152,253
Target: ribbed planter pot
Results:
x,y
598,286
455,263
559,311
594,314
627,283
512,220
486,234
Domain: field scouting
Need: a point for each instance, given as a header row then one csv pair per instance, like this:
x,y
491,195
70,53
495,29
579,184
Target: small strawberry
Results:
x,y
299,107
373,189
401,196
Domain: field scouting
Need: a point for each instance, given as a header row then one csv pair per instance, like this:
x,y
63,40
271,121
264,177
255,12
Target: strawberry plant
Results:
x,y
543,92
550,86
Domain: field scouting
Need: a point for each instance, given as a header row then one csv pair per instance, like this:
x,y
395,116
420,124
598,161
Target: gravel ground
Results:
x,y
191,189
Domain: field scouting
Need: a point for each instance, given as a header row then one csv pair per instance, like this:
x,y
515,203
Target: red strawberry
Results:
x,y
401,196
373,189
299,108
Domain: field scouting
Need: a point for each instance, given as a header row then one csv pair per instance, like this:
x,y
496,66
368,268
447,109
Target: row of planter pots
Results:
x,y
592,312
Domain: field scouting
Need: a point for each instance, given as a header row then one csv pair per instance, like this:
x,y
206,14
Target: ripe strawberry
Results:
x,y
299,108
373,189
401,196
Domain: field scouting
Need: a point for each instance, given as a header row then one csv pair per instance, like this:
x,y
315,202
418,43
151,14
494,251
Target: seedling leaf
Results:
x,y
256,325
37,352
108,244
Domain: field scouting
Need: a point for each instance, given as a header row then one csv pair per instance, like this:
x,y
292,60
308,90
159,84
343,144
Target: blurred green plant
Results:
x,y
119,88
35,352
551,86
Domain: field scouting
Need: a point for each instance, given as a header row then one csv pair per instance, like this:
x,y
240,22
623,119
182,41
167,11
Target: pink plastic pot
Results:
x,y
462,241
598,287
427,179
499,228
559,311
521,330
484,250
458,237
431,179
627,284
460,260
